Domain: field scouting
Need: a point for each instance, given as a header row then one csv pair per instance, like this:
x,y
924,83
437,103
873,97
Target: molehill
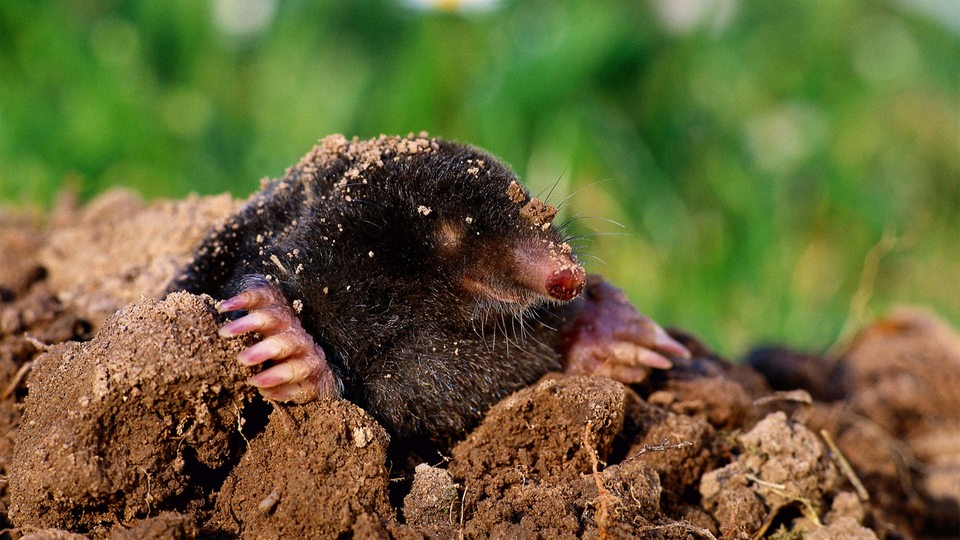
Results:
x,y
124,416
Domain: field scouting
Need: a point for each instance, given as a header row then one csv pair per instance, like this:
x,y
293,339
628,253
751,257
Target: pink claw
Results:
x,y
299,370
610,337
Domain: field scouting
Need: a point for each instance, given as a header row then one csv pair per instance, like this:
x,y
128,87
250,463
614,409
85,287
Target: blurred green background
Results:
x,y
780,169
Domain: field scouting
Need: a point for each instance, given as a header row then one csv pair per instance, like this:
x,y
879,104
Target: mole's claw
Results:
x,y
257,321
651,358
297,380
277,375
294,392
240,301
286,392
260,293
664,343
272,348
299,369
610,337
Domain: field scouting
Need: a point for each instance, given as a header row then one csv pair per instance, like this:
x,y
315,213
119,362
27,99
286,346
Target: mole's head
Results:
x,y
441,225
499,245
473,232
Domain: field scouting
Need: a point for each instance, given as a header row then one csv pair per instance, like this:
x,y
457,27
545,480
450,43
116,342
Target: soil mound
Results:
x,y
124,415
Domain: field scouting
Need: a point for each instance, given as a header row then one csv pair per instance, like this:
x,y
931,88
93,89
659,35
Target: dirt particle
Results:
x,y
516,193
433,504
540,430
166,525
276,261
362,436
538,213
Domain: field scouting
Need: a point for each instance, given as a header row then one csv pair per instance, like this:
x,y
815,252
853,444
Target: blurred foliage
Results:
x,y
755,153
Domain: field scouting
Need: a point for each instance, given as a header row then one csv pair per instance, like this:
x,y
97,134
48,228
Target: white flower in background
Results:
x,y
685,16
946,13
463,6
243,18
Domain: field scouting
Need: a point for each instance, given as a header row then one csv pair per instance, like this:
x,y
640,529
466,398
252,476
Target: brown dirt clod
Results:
x,y
312,473
129,422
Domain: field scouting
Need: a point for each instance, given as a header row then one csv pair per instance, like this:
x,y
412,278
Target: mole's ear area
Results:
x,y
449,235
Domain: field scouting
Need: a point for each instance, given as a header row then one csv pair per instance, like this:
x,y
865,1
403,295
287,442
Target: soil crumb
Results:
x,y
124,415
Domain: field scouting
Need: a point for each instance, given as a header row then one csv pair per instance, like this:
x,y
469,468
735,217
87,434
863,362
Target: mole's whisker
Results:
x,y
580,217
594,258
567,198
552,187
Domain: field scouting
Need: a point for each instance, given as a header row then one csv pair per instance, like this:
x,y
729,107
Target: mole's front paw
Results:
x,y
610,337
300,371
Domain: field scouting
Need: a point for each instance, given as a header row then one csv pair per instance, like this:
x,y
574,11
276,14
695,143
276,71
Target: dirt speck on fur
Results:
x,y
137,423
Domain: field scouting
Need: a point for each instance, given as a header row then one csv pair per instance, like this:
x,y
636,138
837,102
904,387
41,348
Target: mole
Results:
x,y
417,278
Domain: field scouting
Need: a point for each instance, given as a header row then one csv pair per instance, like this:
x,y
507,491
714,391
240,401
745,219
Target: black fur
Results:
x,y
409,344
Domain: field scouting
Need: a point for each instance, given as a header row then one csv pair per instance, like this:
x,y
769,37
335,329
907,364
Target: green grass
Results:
x,y
754,160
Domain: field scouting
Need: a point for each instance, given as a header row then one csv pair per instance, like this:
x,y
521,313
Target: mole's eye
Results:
x,y
449,235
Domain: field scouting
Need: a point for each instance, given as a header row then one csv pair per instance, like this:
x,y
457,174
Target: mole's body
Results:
x,y
412,276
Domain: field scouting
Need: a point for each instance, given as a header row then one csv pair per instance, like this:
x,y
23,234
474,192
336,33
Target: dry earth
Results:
x,y
123,415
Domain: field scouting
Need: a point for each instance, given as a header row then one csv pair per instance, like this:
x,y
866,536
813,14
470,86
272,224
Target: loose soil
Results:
x,y
124,415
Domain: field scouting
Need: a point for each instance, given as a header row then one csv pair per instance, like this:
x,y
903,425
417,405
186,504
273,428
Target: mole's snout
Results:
x,y
549,270
566,283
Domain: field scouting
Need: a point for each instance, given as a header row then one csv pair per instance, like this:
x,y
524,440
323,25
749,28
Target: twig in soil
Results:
x,y
806,507
759,533
149,497
756,480
603,494
845,467
240,423
17,377
809,511
443,460
662,447
39,345
685,525
779,488
463,507
796,396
